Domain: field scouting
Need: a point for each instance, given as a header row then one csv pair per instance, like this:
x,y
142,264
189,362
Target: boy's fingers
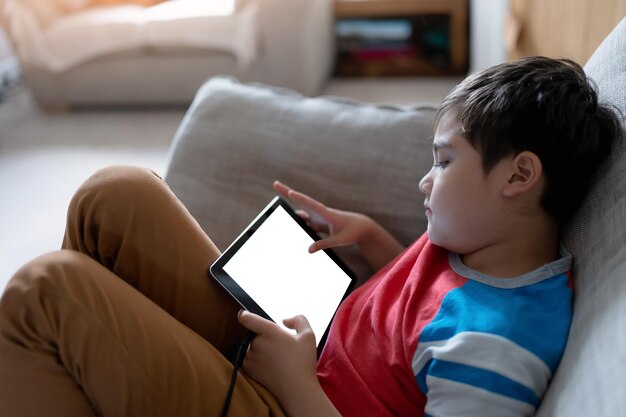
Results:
x,y
304,215
326,243
298,199
301,201
255,323
302,325
304,199
311,203
299,323
281,188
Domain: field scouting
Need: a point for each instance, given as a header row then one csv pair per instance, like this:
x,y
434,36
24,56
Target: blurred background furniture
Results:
x,y
402,37
129,54
582,25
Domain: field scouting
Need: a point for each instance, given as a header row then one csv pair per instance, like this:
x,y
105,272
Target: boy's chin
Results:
x,y
435,237
454,244
442,241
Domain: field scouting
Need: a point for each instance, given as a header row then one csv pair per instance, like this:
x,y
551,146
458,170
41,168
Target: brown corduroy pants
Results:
x,y
124,320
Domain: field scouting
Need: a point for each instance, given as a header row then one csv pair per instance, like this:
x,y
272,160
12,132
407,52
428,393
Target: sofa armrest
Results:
x,y
237,139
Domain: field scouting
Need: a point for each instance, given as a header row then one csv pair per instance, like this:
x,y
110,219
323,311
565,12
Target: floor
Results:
x,y
45,157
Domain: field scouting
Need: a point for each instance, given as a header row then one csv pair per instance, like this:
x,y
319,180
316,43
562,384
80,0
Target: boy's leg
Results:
x,y
129,221
75,340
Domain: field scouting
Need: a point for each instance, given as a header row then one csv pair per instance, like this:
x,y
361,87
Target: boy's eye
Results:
x,y
441,164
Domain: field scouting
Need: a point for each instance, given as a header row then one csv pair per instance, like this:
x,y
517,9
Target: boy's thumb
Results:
x,y
299,323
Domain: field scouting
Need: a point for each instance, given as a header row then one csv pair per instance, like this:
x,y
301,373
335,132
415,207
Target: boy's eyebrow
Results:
x,y
440,145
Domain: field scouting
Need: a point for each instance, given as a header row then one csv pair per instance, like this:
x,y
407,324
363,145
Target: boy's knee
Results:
x,y
40,296
116,179
123,174
115,184
35,281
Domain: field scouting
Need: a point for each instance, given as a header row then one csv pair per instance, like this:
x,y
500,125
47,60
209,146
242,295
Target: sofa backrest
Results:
x,y
591,378
237,139
42,11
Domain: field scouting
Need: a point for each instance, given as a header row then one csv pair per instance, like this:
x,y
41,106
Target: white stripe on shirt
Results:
x,y
489,352
448,398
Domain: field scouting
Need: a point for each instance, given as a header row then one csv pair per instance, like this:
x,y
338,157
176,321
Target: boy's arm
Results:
x,y
344,228
378,246
285,364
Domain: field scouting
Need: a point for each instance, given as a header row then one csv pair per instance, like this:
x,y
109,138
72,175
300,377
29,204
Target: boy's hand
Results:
x,y
343,228
282,362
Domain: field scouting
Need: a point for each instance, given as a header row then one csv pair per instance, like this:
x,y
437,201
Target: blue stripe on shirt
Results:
x,y
480,378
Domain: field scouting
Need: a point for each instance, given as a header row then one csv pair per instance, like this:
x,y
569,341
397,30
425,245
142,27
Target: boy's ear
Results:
x,y
525,173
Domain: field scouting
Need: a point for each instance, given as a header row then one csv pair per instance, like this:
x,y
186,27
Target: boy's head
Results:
x,y
545,106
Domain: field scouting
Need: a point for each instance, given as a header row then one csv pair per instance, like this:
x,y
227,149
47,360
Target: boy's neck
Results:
x,y
529,246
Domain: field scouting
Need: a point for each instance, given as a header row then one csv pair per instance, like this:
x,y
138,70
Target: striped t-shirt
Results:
x,y
427,336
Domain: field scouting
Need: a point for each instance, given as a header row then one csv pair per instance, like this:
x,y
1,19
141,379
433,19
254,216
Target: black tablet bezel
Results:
x,y
217,272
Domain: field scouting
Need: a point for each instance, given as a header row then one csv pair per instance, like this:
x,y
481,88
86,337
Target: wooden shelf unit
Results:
x,y
456,10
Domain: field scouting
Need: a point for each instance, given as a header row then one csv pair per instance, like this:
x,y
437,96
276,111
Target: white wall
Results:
x,y
487,46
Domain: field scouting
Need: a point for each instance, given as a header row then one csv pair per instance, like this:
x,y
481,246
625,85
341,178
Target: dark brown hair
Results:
x,y
543,105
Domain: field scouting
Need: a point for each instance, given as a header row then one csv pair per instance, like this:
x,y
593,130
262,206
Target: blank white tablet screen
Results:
x,y
276,270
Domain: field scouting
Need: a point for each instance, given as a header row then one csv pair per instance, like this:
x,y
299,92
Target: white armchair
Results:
x,y
134,55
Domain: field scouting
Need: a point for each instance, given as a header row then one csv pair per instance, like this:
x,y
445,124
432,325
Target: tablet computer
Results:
x,y
270,272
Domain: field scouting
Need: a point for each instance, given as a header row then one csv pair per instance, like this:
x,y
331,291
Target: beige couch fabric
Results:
x,y
75,38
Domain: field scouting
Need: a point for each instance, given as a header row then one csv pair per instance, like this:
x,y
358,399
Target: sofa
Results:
x,y
237,138
128,54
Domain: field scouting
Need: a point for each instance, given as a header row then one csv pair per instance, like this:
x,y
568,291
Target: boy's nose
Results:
x,y
425,184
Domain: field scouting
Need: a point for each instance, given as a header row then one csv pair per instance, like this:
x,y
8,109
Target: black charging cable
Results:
x,y
241,354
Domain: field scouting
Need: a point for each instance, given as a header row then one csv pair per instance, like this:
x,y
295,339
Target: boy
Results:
x,y
470,320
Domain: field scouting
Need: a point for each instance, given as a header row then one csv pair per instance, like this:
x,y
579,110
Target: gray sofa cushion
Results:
x,y
236,139
592,376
